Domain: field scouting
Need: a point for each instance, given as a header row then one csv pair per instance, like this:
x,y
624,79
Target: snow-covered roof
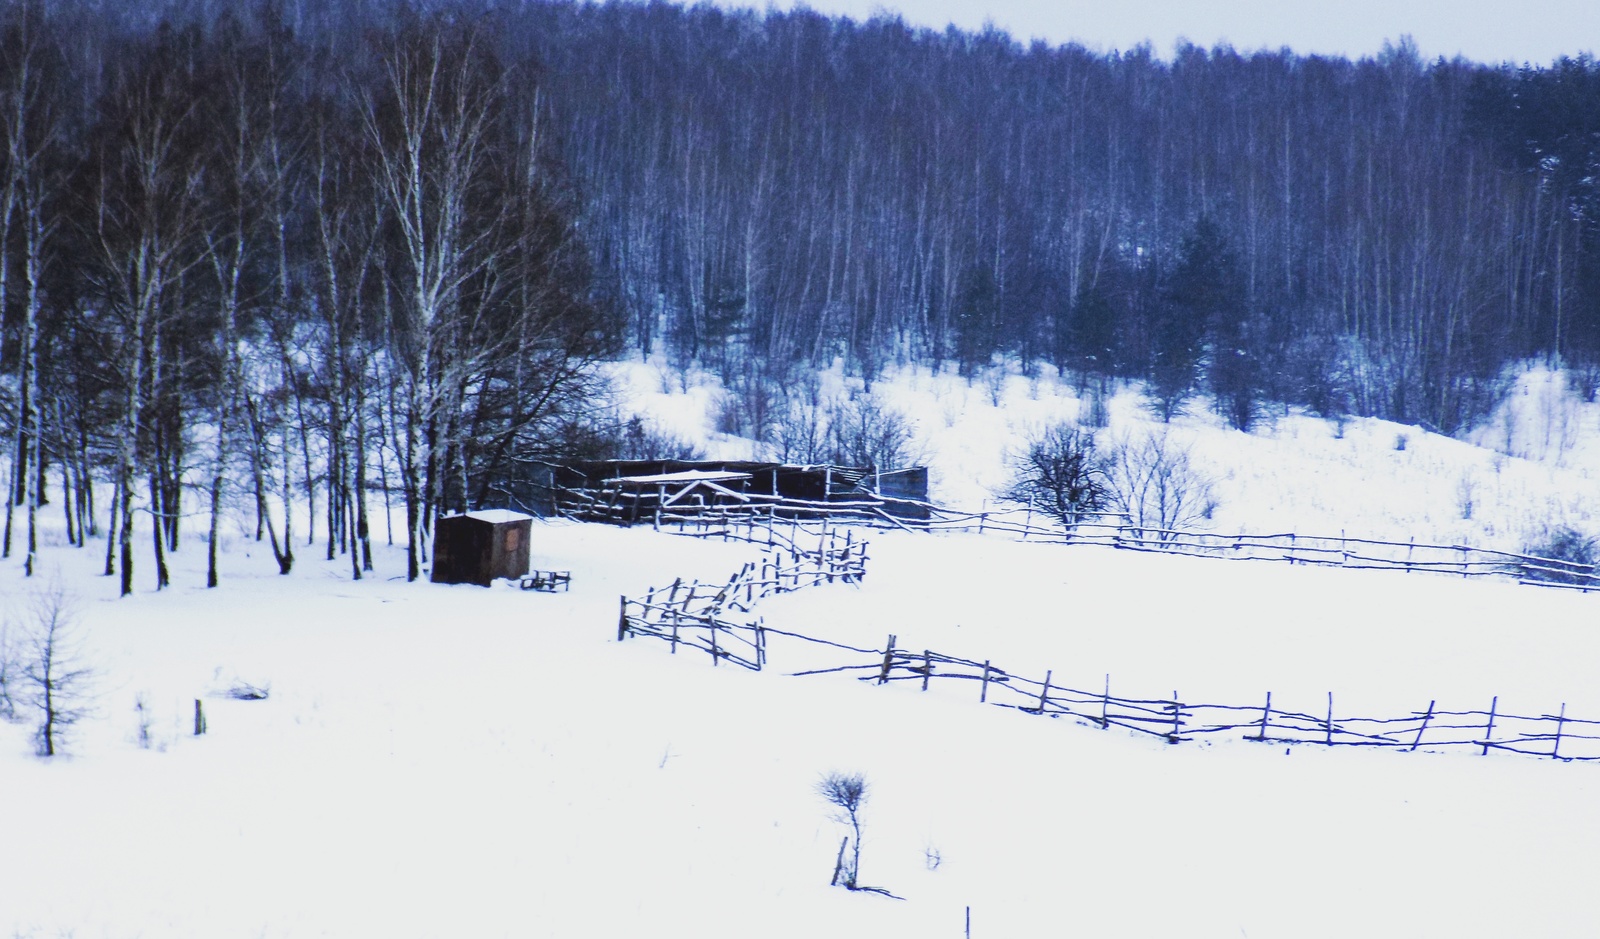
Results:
x,y
498,516
684,476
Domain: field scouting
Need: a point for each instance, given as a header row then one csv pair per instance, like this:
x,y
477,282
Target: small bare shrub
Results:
x,y
1575,555
10,673
53,676
1060,473
1156,485
1466,495
867,432
846,792
141,711
639,440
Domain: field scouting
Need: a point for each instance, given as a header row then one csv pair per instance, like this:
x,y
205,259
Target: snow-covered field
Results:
x,y
456,761
1533,466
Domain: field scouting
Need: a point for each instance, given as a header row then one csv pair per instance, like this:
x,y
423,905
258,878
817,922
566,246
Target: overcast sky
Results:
x,y
1484,30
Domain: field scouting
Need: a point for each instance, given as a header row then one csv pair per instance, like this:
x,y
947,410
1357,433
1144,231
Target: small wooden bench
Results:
x,y
547,581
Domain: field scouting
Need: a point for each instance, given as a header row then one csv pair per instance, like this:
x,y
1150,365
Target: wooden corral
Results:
x,y
478,547
631,491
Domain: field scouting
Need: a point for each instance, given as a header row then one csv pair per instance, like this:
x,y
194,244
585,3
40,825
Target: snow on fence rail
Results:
x,y
693,615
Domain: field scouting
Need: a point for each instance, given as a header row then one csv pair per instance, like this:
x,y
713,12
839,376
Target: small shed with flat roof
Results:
x,y
477,547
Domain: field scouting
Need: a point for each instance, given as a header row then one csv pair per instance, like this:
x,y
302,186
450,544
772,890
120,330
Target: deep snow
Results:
x,y
459,761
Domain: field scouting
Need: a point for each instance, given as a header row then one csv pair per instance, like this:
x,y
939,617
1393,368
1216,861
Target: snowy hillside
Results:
x,y
1534,466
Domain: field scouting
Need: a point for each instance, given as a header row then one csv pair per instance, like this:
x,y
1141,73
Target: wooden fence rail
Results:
x,y
694,615
1176,721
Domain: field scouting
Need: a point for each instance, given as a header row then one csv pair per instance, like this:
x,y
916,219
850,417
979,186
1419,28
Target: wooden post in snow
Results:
x,y
888,660
1488,732
1105,704
1265,713
1425,719
622,618
983,690
199,718
1044,693
1329,738
1561,721
927,668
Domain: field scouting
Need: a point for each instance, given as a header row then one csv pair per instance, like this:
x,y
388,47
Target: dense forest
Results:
x,y
279,253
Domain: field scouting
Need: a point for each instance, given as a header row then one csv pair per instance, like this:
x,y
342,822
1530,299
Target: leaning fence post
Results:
x,y
1044,694
716,654
888,660
1561,720
1425,719
1488,732
983,690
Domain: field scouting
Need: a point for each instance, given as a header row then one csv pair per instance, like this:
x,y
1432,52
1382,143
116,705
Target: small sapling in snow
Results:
x,y
845,792
55,681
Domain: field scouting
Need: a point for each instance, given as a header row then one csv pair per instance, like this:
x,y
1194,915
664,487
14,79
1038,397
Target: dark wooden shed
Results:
x,y
477,547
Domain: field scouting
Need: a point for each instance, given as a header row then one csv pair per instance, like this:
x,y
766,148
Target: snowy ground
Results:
x,y
1534,465
454,761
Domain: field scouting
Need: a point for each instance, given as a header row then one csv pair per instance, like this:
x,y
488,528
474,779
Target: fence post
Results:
x,y
1555,753
622,618
983,690
1329,739
927,668
761,645
1265,712
199,718
1488,732
1177,719
1105,705
716,654
888,660
1044,694
1425,719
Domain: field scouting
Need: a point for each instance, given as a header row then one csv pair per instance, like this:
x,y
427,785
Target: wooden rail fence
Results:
x,y
1557,736
692,614
695,615
770,525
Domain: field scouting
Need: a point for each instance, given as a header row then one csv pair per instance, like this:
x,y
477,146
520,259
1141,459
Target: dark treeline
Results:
x,y
271,261
297,248
1377,237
